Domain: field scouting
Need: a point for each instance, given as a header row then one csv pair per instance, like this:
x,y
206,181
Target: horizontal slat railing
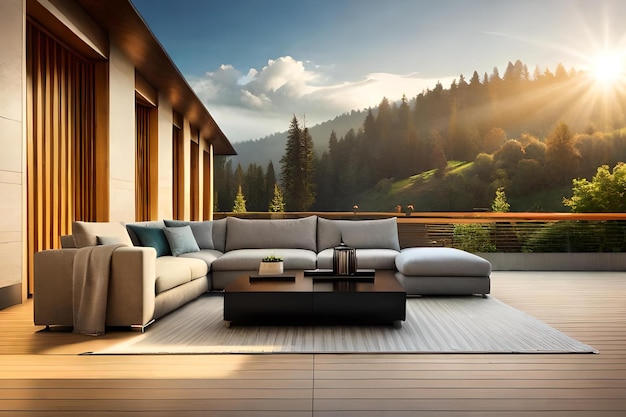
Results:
x,y
493,232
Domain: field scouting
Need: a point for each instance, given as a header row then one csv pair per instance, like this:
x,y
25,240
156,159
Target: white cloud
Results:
x,y
262,102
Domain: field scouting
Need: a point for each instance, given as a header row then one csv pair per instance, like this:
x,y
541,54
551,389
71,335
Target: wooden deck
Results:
x,y
41,373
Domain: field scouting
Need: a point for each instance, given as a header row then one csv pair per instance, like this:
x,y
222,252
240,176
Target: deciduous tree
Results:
x,y
605,193
562,157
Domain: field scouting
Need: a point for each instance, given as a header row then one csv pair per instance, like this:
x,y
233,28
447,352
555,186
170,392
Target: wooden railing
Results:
x,y
493,232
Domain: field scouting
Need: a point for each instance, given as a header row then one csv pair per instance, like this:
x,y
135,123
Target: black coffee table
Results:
x,y
296,299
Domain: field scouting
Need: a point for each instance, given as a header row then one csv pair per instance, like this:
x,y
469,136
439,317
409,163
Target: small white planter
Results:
x,y
270,268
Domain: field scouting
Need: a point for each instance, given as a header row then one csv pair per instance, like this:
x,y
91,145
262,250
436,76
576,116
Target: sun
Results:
x,y
609,68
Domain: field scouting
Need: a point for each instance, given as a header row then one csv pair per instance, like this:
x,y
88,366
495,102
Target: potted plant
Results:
x,y
271,265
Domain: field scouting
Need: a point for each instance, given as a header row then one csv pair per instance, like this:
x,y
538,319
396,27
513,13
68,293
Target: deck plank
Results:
x,y
42,373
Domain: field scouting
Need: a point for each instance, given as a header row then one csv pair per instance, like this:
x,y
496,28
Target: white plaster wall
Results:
x,y
121,136
166,121
12,134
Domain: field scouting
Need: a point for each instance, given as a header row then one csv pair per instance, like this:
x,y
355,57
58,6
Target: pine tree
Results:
x,y
307,189
240,202
278,203
297,168
270,182
437,154
289,172
500,205
254,188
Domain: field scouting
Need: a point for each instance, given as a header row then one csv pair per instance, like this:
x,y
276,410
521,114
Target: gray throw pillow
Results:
x,y
360,234
370,234
181,240
202,231
267,234
328,234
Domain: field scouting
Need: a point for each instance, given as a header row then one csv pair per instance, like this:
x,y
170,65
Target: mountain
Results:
x,y
272,147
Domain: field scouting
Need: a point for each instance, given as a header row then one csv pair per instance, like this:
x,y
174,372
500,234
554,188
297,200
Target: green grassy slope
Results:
x,y
422,191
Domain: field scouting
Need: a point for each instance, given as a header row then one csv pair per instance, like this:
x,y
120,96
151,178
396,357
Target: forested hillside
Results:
x,y
530,134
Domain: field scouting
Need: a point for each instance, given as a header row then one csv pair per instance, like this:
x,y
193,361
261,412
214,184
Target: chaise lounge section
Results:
x,y
442,271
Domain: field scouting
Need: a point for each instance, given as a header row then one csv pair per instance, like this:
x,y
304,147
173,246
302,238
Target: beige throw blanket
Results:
x,y
92,265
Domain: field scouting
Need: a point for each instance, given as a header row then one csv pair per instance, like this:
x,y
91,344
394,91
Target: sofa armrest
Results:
x,y
53,287
132,287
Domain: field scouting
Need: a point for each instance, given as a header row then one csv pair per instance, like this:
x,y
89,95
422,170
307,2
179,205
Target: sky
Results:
x,y
257,63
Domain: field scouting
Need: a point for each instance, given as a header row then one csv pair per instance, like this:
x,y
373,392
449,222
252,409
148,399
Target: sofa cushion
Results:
x,y
181,240
197,267
271,234
151,237
170,274
249,259
365,258
447,262
174,271
328,234
219,234
207,255
460,285
67,241
202,231
86,233
360,234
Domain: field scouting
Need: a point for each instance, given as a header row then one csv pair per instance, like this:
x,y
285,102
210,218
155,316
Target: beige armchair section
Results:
x,y
131,298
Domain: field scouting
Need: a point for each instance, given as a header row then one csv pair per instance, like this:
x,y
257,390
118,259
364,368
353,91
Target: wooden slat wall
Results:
x,y
143,187
81,126
194,174
61,134
207,185
194,186
178,176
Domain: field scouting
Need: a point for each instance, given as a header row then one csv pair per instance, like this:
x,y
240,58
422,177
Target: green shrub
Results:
x,y
578,236
473,237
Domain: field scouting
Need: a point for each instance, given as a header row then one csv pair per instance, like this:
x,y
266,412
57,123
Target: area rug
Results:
x,y
433,325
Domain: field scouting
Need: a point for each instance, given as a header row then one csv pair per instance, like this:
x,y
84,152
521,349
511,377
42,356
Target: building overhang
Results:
x,y
128,30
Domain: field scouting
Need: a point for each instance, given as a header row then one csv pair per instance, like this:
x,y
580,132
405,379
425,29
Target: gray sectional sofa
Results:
x,y
165,264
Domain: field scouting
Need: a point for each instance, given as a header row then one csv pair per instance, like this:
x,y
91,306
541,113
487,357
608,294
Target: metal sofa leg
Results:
x,y
141,328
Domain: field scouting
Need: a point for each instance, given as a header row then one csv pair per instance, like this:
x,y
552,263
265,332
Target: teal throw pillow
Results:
x,y
152,237
181,240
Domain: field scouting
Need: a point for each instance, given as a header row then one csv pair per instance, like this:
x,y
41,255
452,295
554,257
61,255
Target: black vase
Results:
x,y
344,260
